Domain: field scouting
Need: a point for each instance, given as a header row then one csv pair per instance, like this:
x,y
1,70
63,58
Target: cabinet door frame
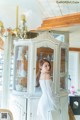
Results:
x,y
52,46
64,74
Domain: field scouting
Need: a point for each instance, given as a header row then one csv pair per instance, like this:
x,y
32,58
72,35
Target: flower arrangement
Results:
x,y
72,90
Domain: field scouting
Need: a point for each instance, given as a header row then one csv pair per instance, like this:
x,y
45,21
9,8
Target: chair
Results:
x,y
5,114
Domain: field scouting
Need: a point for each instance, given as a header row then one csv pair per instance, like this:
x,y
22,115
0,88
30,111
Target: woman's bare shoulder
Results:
x,y
48,76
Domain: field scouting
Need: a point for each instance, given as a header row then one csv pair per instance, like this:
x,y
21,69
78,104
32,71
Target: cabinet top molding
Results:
x,y
44,38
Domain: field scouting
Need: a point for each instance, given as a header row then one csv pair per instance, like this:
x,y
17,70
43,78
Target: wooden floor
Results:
x,y
72,116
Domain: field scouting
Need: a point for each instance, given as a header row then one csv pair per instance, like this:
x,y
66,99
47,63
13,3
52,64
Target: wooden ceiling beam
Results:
x,y
61,21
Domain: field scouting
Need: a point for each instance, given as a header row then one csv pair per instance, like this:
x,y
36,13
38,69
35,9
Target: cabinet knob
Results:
x,y
30,114
60,111
24,113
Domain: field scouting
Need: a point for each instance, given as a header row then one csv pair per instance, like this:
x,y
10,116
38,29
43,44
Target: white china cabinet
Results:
x,y
25,95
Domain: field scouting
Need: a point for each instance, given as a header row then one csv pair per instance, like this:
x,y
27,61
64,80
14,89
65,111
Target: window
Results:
x,y
11,73
1,74
59,37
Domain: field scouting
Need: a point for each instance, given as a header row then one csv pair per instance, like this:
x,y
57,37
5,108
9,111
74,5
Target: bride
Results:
x,y
47,102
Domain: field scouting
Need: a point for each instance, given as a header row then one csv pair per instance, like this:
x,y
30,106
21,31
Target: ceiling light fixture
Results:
x,y
1,28
21,30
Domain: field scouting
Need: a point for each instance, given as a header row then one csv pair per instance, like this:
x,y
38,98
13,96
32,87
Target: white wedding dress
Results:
x,y
47,103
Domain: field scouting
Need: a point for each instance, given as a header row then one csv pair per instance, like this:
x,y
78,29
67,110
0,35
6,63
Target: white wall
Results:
x,y
73,68
74,58
74,39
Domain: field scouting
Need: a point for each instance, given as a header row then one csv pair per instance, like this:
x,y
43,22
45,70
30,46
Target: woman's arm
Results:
x,y
50,95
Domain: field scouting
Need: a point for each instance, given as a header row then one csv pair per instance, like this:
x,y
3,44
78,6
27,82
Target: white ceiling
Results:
x,y
60,7
41,8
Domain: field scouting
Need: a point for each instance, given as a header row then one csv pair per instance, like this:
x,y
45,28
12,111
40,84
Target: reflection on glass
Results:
x,y
62,82
21,68
75,104
63,57
47,53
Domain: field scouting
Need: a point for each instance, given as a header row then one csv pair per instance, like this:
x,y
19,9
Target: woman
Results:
x,y
47,102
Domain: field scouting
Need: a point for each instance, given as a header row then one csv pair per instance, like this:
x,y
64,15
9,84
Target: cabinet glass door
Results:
x,y
63,57
21,68
45,53
62,82
63,68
